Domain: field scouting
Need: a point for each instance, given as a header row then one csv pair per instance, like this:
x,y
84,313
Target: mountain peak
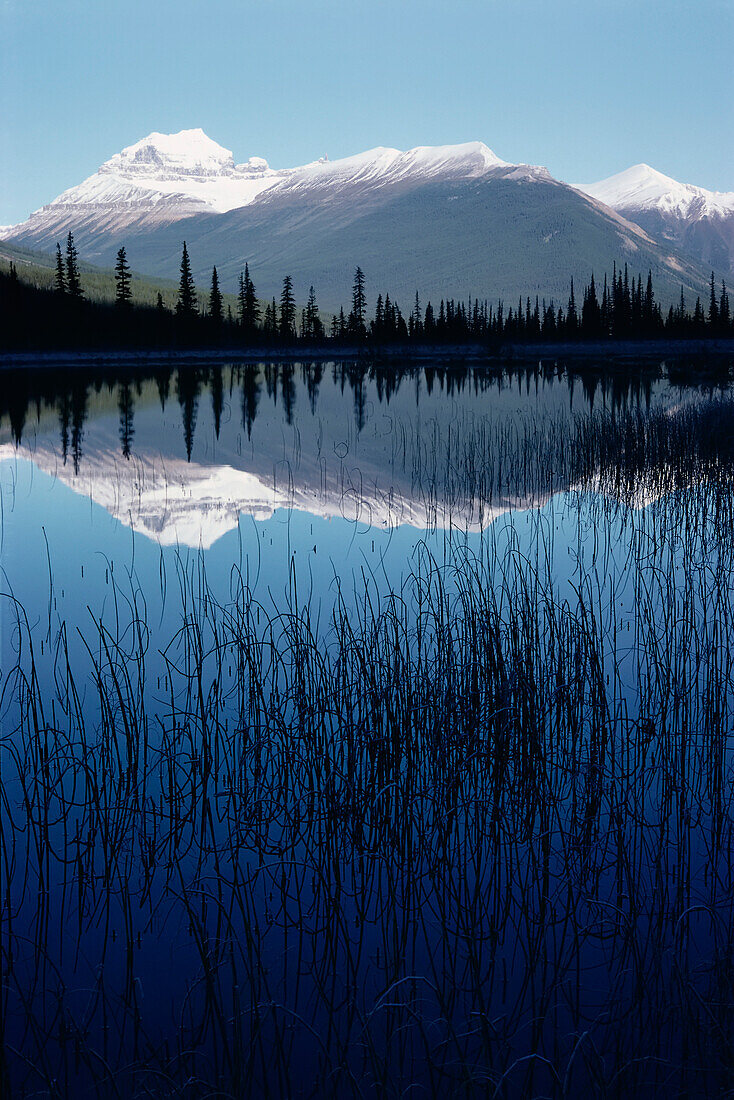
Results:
x,y
188,153
642,187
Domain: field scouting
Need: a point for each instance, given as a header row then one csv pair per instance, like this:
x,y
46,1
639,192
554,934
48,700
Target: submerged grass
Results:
x,y
473,837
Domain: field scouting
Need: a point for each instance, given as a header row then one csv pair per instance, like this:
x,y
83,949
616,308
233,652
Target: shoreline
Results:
x,y
618,350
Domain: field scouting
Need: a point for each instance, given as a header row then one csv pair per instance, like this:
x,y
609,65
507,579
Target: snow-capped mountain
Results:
x,y
699,221
448,221
167,177
160,179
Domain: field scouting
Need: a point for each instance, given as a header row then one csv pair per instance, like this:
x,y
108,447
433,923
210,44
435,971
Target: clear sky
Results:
x,y
585,87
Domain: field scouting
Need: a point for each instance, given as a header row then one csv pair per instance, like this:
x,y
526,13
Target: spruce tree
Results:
x,y
312,328
60,276
416,328
357,327
186,304
250,305
713,305
123,293
73,281
287,309
241,298
270,321
216,311
724,310
571,315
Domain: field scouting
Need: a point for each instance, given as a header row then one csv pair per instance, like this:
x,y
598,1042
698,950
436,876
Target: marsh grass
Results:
x,y
471,836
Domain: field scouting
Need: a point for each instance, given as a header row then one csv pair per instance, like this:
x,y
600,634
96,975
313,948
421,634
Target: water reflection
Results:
x,y
207,444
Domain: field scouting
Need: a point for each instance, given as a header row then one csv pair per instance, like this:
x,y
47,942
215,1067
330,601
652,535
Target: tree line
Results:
x,y
621,308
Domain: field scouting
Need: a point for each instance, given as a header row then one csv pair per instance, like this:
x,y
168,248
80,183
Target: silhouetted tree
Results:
x,y
123,292
186,304
73,281
571,315
724,311
415,321
313,328
713,305
287,309
215,300
60,275
356,323
249,308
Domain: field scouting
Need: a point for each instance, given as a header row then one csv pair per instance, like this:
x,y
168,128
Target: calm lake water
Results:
x,y
366,730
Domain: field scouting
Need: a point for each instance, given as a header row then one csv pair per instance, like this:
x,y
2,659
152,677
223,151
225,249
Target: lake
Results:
x,y
365,730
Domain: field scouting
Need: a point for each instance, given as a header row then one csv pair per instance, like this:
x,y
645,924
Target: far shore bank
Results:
x,y
621,352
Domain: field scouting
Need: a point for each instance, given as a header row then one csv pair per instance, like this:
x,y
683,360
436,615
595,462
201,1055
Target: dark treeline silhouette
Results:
x,y
622,307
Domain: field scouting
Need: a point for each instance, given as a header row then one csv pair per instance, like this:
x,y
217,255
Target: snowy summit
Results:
x,y
644,188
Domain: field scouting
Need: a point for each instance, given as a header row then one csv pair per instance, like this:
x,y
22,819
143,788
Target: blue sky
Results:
x,y
584,87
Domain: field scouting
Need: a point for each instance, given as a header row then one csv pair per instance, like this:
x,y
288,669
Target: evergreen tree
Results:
x,y
73,281
241,298
313,329
648,309
123,293
571,316
357,326
724,311
590,311
415,326
215,300
60,276
713,305
270,323
249,308
186,304
287,309
378,323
